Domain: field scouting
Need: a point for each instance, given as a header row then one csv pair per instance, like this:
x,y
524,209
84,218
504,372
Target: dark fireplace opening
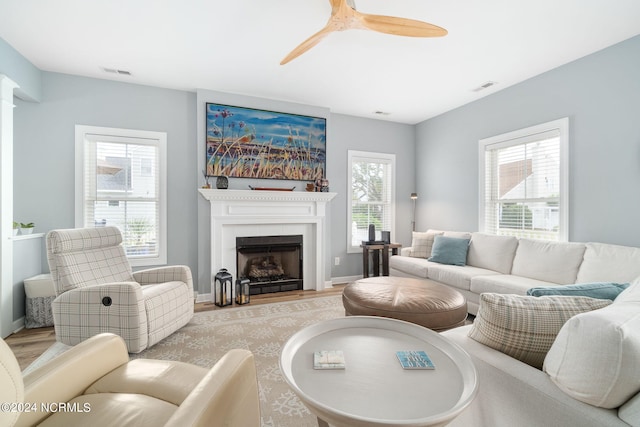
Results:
x,y
271,263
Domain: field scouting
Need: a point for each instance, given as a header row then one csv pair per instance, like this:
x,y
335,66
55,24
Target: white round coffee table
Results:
x,y
373,389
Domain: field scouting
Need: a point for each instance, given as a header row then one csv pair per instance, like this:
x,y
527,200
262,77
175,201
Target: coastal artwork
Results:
x,y
250,143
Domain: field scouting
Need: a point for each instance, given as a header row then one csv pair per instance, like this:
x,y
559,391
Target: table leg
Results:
x,y
365,262
322,423
376,262
385,260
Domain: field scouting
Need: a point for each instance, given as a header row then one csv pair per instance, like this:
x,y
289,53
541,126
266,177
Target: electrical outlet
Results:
x,y
337,260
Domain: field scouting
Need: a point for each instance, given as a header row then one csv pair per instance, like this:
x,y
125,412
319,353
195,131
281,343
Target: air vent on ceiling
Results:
x,y
116,71
485,86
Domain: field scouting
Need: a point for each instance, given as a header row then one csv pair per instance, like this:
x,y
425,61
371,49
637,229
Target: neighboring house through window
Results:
x,y
121,181
524,182
372,182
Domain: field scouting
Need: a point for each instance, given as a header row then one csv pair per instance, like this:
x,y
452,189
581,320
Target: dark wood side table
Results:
x,y
376,250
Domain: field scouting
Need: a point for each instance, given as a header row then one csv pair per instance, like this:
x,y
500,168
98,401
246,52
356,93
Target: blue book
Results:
x,y
414,359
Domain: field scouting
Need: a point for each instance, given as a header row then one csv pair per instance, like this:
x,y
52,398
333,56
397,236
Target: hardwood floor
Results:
x,y
29,344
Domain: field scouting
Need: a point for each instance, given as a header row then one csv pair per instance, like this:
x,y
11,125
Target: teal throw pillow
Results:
x,y
599,290
449,250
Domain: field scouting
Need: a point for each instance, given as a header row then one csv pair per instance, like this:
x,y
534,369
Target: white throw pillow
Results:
x,y
609,263
555,262
422,243
594,358
525,327
492,252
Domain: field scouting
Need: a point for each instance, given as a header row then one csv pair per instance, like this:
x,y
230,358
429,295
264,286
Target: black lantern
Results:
x,y
242,291
223,288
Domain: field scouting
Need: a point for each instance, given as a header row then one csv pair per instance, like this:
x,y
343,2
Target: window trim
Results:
x,y
85,133
523,136
363,155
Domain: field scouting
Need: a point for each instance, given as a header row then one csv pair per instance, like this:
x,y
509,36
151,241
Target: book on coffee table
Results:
x,y
414,359
328,359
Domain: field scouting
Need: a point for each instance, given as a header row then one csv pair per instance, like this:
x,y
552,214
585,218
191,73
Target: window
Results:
x,y
121,181
372,180
524,182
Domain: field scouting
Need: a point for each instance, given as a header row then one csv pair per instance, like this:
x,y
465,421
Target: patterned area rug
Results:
x,y
262,329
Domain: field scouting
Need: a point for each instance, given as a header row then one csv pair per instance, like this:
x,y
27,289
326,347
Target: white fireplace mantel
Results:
x,y
244,213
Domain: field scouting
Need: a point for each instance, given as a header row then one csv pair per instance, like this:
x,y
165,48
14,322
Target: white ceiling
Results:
x,y
236,46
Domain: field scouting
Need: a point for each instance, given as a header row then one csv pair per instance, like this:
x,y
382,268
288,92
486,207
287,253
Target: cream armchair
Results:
x,y
97,291
95,384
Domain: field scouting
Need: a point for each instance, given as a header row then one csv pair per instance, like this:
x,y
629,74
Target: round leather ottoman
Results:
x,y
419,301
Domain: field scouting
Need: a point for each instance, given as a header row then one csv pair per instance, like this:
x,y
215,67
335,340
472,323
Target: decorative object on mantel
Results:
x,y
251,143
223,288
311,186
222,182
206,179
272,188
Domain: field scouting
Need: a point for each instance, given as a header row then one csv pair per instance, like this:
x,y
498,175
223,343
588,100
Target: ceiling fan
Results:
x,y
344,16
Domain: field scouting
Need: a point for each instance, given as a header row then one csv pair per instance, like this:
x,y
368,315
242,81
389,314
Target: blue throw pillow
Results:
x,y
600,290
449,250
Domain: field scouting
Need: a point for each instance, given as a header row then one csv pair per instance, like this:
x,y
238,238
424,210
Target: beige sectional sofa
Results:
x,y
590,375
508,265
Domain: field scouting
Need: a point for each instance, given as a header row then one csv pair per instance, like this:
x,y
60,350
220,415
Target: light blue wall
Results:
x,y
44,150
351,133
21,71
45,144
599,93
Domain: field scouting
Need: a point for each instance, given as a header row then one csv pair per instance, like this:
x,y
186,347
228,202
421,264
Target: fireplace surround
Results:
x,y
251,213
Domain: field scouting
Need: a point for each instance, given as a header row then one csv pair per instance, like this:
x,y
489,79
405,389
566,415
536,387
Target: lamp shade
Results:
x,y
414,196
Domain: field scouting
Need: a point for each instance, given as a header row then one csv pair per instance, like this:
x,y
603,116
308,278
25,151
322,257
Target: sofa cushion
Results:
x,y
449,250
456,276
555,262
421,244
609,263
594,359
492,252
505,284
417,267
525,327
592,290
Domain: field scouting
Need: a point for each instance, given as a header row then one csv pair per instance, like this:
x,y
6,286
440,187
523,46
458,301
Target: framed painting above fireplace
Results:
x,y
250,143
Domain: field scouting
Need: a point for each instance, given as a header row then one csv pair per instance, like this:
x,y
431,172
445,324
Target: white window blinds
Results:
x,y
524,183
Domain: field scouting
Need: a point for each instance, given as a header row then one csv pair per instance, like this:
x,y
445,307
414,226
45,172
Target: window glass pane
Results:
x,y
136,220
371,195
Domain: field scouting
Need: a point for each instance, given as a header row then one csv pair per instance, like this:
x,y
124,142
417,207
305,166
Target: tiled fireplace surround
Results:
x,y
244,213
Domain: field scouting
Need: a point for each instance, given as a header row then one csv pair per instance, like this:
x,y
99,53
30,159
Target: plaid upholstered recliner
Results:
x,y
96,290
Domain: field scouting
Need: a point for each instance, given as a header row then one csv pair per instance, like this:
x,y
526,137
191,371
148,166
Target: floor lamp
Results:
x,y
414,197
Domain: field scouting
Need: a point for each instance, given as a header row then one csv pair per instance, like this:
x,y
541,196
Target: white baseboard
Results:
x,y
204,297
18,325
345,279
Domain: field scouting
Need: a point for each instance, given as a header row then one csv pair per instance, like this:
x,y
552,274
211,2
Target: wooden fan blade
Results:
x,y
401,26
336,3
306,45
